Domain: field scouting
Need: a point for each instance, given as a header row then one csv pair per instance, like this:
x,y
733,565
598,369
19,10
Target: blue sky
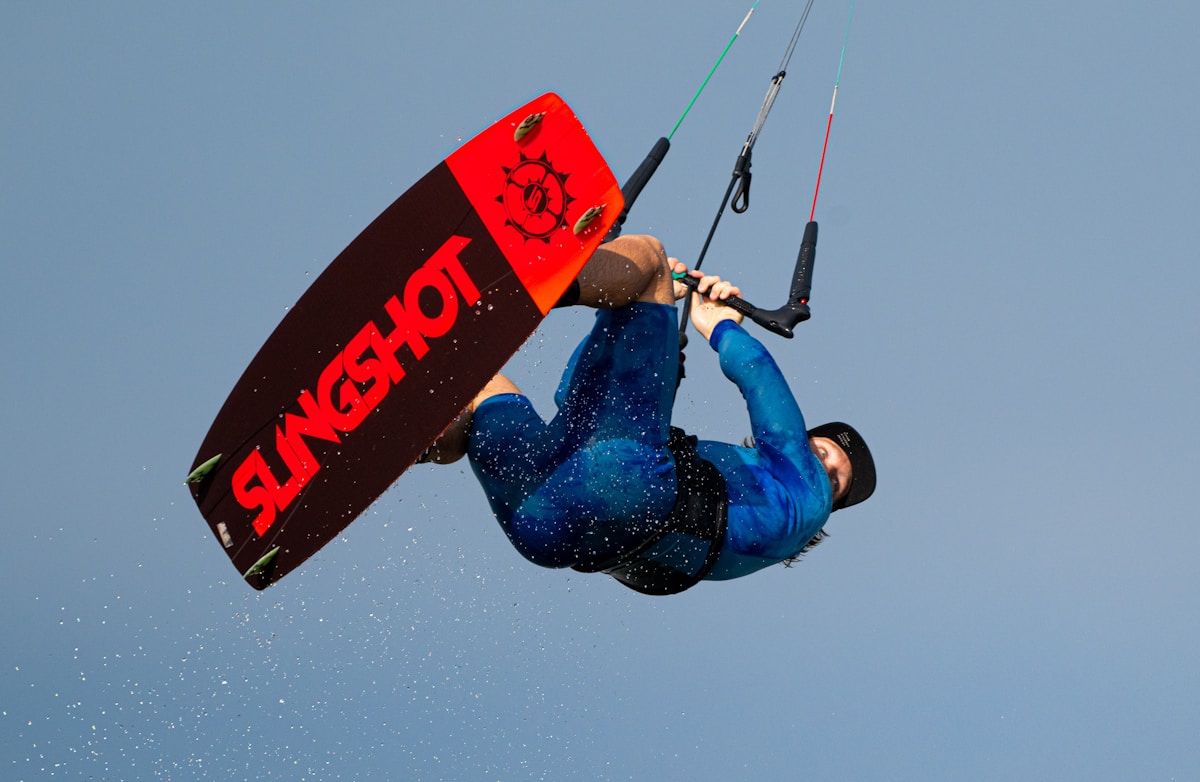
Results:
x,y
1003,303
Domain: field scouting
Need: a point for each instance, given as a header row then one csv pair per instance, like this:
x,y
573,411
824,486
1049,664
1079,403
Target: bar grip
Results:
x,y
781,321
802,277
634,185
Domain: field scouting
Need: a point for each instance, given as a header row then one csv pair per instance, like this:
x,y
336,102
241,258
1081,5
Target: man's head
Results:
x,y
847,461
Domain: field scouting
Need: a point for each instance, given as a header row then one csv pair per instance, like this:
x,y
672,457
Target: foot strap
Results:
x,y
571,297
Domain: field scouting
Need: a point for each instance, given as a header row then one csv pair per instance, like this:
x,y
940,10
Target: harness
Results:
x,y
684,550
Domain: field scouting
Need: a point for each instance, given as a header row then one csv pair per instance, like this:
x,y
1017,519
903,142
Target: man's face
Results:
x,y
837,465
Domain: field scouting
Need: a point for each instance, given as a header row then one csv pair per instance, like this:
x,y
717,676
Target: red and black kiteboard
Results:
x,y
398,334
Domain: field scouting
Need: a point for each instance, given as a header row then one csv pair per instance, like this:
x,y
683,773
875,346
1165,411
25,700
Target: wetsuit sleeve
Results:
x,y
779,494
775,417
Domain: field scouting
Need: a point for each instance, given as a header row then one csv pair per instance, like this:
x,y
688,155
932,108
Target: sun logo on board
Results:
x,y
535,198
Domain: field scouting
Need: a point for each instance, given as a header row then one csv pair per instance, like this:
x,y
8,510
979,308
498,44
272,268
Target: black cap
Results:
x,y
862,466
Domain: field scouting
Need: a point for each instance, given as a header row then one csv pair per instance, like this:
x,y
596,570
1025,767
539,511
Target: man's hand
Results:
x,y
707,312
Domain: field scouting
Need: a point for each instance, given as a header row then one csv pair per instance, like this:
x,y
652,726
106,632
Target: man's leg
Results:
x,y
452,445
625,270
597,479
629,269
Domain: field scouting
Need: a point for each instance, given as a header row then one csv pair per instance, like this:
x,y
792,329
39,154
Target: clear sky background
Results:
x,y
1004,303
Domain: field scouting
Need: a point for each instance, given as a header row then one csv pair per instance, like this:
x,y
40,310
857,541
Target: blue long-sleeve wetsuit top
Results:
x,y
598,479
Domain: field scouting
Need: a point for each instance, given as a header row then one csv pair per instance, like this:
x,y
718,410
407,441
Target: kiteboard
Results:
x,y
398,334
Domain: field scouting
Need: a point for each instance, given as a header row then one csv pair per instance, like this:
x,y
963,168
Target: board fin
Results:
x,y
528,125
200,473
587,219
262,565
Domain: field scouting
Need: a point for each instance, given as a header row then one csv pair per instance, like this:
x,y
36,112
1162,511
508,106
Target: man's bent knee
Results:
x,y
627,269
452,444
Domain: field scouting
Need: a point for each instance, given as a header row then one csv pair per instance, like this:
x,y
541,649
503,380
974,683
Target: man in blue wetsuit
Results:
x,y
608,485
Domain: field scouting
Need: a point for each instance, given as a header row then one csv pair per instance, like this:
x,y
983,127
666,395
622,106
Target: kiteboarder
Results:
x,y
609,485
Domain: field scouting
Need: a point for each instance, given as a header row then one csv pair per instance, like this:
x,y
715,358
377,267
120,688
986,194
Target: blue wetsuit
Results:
x,y
597,479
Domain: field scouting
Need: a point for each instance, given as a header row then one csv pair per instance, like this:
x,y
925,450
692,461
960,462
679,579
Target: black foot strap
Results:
x,y
571,297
